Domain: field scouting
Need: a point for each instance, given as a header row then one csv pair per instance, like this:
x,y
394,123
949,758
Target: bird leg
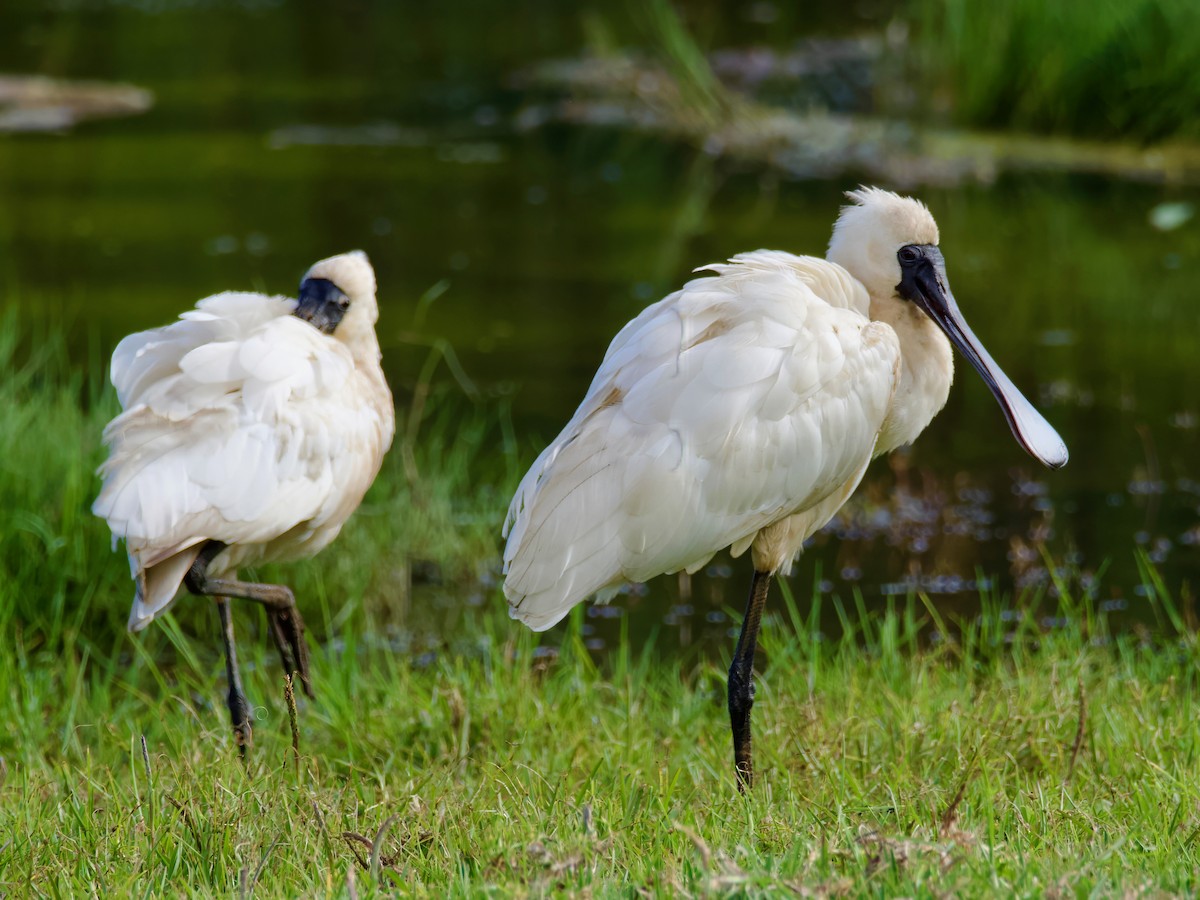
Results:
x,y
287,627
239,707
741,680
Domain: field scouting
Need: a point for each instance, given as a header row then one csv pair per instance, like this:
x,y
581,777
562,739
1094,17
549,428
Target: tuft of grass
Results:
x,y
676,47
54,556
1089,68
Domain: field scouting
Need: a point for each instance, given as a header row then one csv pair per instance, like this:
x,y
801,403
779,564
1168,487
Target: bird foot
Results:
x,y
745,774
239,713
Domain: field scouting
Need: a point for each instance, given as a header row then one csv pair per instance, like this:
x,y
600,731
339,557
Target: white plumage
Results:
x,y
688,438
247,425
742,412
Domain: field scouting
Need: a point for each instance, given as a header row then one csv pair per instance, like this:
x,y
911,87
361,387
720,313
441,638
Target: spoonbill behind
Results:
x,y
742,411
252,428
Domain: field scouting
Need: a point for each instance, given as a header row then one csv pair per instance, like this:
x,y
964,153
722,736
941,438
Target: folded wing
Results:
x,y
733,403
231,427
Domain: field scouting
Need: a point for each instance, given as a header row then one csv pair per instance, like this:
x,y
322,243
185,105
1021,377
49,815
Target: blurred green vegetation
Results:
x,y
1122,69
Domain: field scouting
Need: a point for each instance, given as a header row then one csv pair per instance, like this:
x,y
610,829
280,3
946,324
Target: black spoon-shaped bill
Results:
x,y
923,281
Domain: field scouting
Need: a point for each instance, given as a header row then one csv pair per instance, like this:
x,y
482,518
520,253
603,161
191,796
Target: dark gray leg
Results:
x,y
239,707
287,627
741,681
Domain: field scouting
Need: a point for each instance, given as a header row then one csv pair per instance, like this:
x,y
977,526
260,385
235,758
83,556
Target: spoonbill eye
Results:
x,y
909,254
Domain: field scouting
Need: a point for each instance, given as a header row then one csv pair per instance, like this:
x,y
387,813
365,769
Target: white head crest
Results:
x,y
868,233
351,272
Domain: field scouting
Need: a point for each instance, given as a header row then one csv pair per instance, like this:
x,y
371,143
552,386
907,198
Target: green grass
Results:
x,y
1092,68
885,770
1008,760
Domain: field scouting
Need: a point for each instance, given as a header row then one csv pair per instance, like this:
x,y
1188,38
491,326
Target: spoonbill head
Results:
x,y
337,297
741,411
252,428
889,244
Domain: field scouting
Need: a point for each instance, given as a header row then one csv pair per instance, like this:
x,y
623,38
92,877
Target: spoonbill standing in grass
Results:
x,y
251,430
741,412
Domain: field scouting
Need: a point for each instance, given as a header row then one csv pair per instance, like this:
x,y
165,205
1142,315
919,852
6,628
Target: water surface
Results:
x,y
285,133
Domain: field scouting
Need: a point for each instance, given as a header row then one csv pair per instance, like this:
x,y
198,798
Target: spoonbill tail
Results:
x,y
252,428
742,411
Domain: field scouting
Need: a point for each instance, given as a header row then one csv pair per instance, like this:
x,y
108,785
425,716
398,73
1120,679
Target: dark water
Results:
x,y
283,133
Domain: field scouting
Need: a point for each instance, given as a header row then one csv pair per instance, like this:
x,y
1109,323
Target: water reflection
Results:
x,y
306,132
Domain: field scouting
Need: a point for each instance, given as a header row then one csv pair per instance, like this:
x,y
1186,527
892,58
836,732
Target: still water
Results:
x,y
283,133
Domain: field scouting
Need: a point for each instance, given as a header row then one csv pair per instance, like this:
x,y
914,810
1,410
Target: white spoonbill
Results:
x,y
252,428
741,412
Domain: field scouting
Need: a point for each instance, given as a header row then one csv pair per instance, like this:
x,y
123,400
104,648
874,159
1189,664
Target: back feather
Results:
x,y
234,416
725,407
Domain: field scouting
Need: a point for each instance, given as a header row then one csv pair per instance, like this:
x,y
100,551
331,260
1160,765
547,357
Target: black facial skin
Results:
x,y
322,304
922,277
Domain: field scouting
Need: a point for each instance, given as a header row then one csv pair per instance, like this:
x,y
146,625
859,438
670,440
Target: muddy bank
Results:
x,y
31,103
629,93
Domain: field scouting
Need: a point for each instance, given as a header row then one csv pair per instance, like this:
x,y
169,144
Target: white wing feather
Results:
x,y
237,427
733,403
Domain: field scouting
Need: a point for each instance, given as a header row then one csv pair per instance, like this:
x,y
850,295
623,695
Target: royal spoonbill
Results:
x,y
742,411
252,428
